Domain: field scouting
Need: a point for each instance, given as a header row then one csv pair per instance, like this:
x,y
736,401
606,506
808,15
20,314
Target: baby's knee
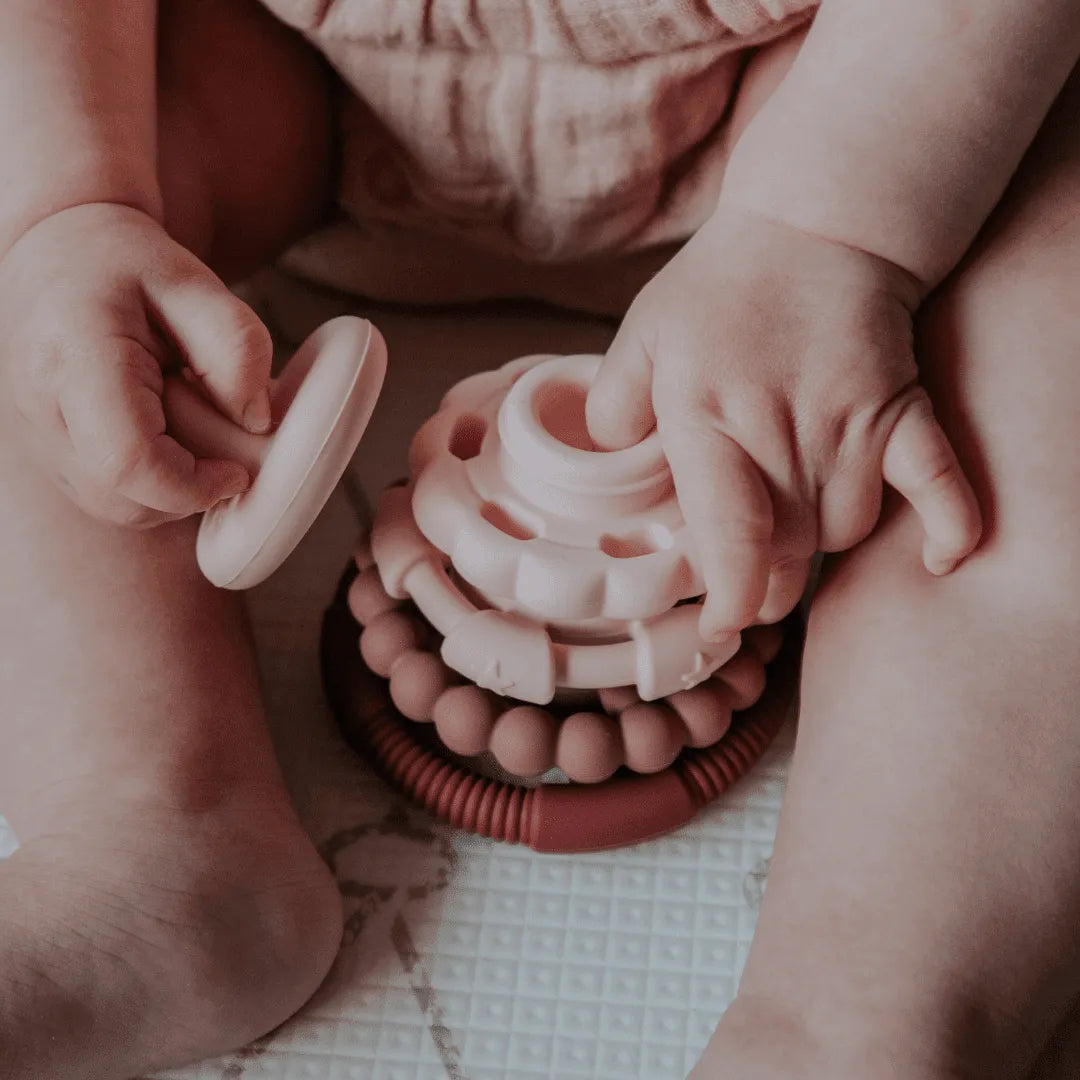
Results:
x,y
1019,582
997,348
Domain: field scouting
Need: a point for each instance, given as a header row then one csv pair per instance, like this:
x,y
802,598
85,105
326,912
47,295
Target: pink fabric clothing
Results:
x,y
550,130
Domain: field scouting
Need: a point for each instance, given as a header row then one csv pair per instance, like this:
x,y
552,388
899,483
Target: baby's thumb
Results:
x,y
919,462
619,410
225,343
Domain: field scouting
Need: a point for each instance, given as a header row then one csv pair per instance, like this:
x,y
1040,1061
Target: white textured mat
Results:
x,y
469,960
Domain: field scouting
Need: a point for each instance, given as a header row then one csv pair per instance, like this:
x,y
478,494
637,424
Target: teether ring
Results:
x,y
527,598
321,406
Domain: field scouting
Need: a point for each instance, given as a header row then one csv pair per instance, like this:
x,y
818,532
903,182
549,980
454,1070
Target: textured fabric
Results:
x,y
550,130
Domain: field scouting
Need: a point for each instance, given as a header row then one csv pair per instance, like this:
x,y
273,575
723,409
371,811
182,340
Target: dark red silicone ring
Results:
x,y
626,809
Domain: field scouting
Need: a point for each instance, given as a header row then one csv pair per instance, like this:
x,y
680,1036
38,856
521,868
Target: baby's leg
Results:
x,y
165,903
922,919
246,141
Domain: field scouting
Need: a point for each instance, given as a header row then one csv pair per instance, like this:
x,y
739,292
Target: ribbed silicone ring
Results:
x,y
554,818
578,666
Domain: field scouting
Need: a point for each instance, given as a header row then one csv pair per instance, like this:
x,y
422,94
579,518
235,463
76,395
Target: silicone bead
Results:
x,y
652,737
416,680
464,717
367,597
523,740
387,637
744,675
362,554
616,698
705,712
589,747
547,817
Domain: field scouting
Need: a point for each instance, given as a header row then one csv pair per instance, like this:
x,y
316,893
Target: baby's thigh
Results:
x,y
999,347
246,131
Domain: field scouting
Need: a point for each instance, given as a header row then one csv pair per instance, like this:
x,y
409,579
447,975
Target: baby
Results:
x,y
904,181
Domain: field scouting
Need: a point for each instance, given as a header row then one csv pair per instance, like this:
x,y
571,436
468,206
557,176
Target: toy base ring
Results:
x,y
552,818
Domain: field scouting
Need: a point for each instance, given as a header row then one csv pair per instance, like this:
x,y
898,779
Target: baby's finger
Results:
x,y
727,507
619,410
222,340
920,463
787,582
112,409
849,505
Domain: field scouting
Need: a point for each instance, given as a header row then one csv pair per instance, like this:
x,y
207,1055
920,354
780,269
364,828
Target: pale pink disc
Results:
x,y
323,403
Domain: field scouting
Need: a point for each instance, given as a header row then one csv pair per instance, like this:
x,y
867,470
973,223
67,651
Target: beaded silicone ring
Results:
x,y
627,808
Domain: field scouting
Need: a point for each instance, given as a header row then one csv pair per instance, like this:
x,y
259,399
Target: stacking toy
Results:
x,y
526,608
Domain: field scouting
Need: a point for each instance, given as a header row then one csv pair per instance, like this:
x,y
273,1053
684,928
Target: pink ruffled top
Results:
x,y
550,130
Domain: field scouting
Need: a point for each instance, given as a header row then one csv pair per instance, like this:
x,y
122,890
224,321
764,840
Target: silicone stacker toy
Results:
x,y
526,598
320,405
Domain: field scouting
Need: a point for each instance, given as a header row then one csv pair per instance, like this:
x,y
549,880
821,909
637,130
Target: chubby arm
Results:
x,y
77,108
96,298
901,122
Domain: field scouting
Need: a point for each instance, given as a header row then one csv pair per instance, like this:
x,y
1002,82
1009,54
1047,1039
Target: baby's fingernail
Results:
x,y
257,413
942,567
938,562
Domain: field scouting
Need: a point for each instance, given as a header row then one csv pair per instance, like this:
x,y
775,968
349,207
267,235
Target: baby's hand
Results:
x,y
95,303
779,372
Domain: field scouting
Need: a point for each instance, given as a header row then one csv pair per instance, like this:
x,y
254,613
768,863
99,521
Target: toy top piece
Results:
x,y
321,406
546,564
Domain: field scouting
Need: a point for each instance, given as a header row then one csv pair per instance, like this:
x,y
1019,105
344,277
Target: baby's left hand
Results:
x,y
778,369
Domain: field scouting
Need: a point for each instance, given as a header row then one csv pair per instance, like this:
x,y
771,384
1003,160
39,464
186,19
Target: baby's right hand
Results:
x,y
96,302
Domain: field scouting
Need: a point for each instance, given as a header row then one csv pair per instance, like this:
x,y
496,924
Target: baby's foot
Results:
x,y
160,936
